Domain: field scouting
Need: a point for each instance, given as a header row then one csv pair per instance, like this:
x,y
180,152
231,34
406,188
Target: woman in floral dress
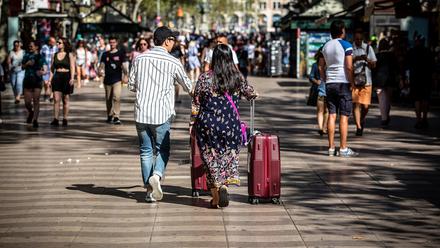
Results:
x,y
218,125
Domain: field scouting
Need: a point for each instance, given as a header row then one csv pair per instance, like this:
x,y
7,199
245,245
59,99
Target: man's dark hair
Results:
x,y
359,31
336,28
157,41
113,38
35,42
161,34
220,35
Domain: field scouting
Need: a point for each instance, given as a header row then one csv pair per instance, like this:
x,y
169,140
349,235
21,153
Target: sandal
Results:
x,y
224,196
214,192
213,206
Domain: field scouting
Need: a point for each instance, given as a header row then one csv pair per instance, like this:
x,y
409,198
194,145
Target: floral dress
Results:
x,y
218,131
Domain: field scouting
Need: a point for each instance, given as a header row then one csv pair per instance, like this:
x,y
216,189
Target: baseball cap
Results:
x,y
163,33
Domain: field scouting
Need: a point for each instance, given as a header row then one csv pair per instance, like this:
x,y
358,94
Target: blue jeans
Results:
x,y
17,82
154,141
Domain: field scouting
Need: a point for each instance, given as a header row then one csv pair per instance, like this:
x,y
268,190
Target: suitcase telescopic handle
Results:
x,y
252,115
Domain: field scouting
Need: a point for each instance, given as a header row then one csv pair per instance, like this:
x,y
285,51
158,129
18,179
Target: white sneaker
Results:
x,y
347,152
157,193
149,198
332,152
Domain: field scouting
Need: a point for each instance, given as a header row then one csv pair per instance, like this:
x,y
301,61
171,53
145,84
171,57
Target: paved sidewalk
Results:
x,y
80,186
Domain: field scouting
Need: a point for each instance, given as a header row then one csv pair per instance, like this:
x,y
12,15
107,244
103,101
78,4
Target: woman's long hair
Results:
x,y
67,46
384,45
318,54
138,43
226,76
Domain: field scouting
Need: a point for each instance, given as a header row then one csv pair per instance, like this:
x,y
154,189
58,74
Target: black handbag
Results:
x,y
313,95
2,84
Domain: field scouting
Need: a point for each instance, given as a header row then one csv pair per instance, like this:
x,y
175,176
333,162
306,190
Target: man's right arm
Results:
x,y
349,69
182,78
132,76
348,62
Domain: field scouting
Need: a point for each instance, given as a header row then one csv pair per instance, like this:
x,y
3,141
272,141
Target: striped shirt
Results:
x,y
48,52
152,77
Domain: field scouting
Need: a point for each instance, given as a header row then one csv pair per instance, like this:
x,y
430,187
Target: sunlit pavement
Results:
x,y
80,186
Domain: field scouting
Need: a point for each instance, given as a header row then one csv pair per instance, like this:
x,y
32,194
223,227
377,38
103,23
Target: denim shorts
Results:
x,y
339,98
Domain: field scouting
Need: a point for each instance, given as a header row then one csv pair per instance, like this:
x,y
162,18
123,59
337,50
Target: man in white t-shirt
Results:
x,y
221,39
336,70
364,60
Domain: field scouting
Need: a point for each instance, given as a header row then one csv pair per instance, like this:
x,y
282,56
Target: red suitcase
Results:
x,y
264,166
198,176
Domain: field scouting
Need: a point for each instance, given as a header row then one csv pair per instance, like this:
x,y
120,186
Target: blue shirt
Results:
x,y
39,63
334,52
314,74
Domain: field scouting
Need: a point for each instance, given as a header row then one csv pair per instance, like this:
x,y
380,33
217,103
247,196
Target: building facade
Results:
x,y
250,16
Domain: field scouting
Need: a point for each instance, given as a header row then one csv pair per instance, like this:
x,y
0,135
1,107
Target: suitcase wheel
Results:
x,y
195,193
276,201
253,200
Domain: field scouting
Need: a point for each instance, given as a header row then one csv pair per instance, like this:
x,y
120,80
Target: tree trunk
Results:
x,y
3,30
1,7
135,10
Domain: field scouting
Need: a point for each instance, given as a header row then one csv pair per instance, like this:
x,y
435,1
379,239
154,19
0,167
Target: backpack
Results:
x,y
360,78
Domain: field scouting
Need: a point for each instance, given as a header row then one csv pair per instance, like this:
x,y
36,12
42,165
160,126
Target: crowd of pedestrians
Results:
x,y
99,58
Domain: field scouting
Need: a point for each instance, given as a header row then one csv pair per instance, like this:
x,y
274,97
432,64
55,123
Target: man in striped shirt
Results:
x,y
152,77
48,51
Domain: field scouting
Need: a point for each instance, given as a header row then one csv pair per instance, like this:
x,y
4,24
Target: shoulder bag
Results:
x,y
360,78
243,125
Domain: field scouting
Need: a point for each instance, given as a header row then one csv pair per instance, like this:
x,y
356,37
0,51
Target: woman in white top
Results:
x,y
82,63
17,73
193,61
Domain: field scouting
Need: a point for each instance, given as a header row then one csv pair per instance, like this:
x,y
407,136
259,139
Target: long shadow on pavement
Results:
x,y
172,194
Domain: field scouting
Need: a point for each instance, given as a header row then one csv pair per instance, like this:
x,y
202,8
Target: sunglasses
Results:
x,y
143,44
59,42
171,38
